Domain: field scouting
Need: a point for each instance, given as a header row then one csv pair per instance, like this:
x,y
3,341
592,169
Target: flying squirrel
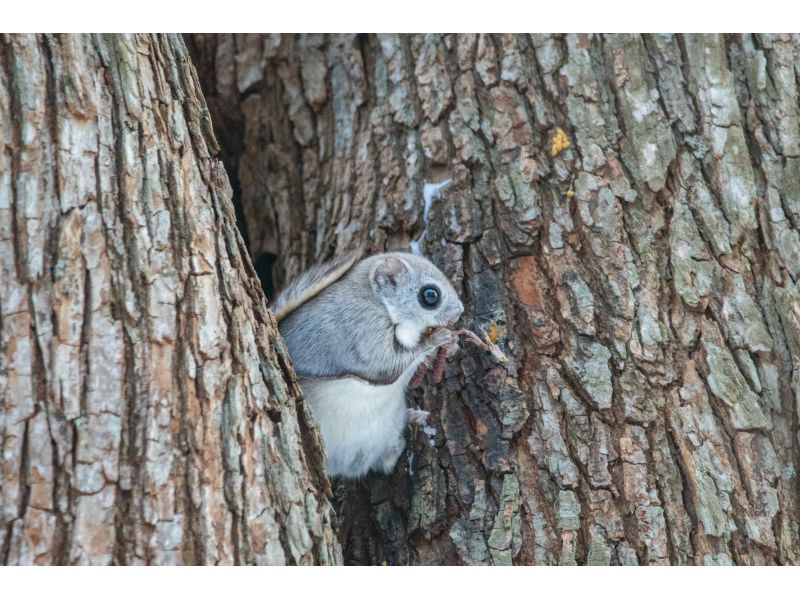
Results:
x,y
357,331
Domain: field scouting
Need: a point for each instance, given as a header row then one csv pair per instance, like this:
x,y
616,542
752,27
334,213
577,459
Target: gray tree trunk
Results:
x,y
623,220
144,413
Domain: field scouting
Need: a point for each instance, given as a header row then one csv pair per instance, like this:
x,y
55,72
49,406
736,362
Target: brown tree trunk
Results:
x,y
144,416
623,219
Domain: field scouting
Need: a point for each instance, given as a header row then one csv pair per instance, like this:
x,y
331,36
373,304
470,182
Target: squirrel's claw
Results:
x,y
418,417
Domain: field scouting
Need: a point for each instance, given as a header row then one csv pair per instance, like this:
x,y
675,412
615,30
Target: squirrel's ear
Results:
x,y
386,272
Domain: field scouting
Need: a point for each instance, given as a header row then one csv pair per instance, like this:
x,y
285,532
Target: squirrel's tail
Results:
x,y
311,282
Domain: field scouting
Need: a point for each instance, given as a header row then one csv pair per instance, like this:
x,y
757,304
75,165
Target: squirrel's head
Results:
x,y
416,294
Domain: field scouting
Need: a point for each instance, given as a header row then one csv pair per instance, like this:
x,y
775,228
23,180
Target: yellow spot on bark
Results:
x,y
559,143
570,194
493,334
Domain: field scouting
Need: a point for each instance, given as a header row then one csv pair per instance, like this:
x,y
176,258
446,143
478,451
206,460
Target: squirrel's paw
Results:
x,y
444,337
417,417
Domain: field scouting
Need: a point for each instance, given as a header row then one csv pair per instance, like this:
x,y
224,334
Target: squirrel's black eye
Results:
x,y
429,296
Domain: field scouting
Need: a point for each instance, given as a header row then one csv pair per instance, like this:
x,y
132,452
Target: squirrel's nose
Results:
x,y
457,315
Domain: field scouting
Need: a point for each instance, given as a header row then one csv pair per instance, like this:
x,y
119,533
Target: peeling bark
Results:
x,y
144,416
623,218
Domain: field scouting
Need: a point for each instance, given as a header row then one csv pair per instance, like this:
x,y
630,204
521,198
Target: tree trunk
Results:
x,y
144,416
623,220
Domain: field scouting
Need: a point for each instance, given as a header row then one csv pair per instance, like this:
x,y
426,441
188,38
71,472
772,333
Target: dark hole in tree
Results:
x,y
263,265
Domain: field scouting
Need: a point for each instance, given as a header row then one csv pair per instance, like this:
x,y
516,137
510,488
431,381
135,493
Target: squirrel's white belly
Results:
x,y
362,424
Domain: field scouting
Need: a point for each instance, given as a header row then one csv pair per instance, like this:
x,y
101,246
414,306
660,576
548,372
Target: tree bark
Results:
x,y
623,220
144,416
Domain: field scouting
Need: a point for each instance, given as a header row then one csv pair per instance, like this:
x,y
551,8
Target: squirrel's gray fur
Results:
x,y
312,282
356,333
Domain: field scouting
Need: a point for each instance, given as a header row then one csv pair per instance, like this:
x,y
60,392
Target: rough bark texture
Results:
x,y
623,220
144,416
